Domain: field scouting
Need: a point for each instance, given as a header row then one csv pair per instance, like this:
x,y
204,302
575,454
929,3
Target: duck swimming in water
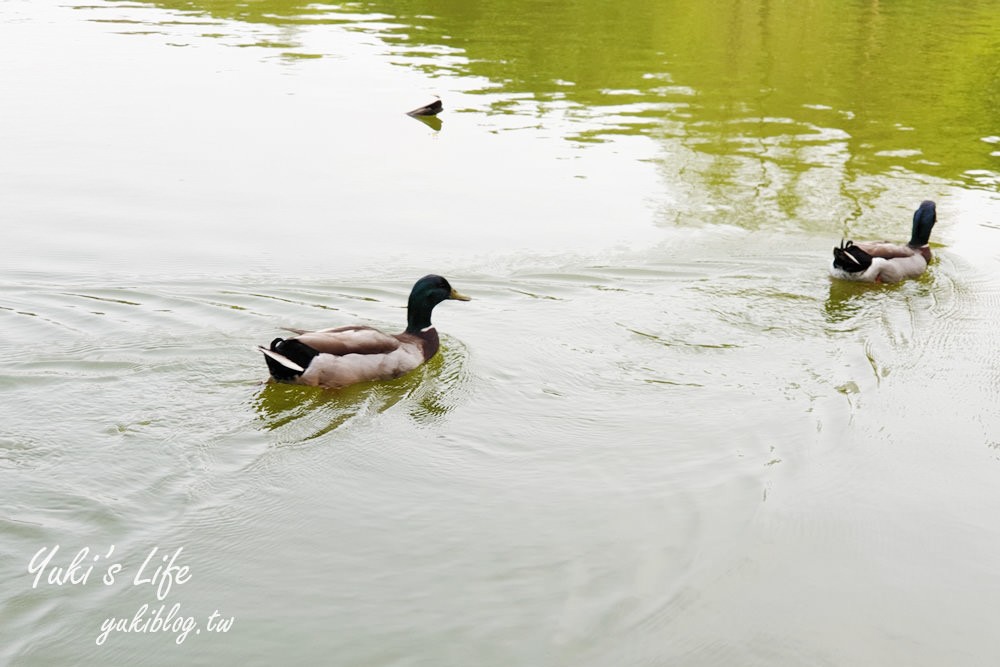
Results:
x,y
884,262
346,355
432,109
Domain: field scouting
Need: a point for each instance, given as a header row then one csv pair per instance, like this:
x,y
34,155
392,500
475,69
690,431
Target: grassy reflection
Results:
x,y
915,85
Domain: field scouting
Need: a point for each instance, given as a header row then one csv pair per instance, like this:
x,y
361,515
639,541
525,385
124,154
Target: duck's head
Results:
x,y
428,292
923,221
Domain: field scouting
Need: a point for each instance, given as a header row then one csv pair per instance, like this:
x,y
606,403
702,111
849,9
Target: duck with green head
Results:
x,y
884,262
347,355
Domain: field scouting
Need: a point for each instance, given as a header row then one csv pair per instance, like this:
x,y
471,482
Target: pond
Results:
x,y
659,433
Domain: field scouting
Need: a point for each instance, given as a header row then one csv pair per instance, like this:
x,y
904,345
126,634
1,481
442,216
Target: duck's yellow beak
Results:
x,y
455,294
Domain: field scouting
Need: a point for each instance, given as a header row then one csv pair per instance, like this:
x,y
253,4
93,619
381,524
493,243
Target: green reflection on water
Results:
x,y
911,84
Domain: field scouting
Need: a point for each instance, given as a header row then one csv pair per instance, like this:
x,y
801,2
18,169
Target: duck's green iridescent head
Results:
x,y
428,292
923,222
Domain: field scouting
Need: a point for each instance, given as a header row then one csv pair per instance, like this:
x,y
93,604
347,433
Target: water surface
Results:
x,y
659,434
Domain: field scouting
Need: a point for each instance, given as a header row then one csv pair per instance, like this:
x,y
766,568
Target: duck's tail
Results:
x,y
850,258
287,359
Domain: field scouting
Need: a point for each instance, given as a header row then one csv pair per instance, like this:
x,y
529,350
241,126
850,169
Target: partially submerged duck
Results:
x,y
346,355
884,262
432,109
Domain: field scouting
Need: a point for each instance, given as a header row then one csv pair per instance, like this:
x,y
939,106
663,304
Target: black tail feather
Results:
x,y
295,351
851,258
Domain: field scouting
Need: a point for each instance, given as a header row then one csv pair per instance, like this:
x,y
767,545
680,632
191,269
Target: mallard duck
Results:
x,y
884,262
432,109
347,355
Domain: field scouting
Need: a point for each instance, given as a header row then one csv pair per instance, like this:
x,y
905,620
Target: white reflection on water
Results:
x,y
618,442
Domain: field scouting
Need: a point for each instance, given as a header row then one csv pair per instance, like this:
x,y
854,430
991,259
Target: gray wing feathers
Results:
x,y
888,250
350,340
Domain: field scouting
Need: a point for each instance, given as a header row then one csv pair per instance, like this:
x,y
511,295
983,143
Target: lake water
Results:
x,y
658,434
